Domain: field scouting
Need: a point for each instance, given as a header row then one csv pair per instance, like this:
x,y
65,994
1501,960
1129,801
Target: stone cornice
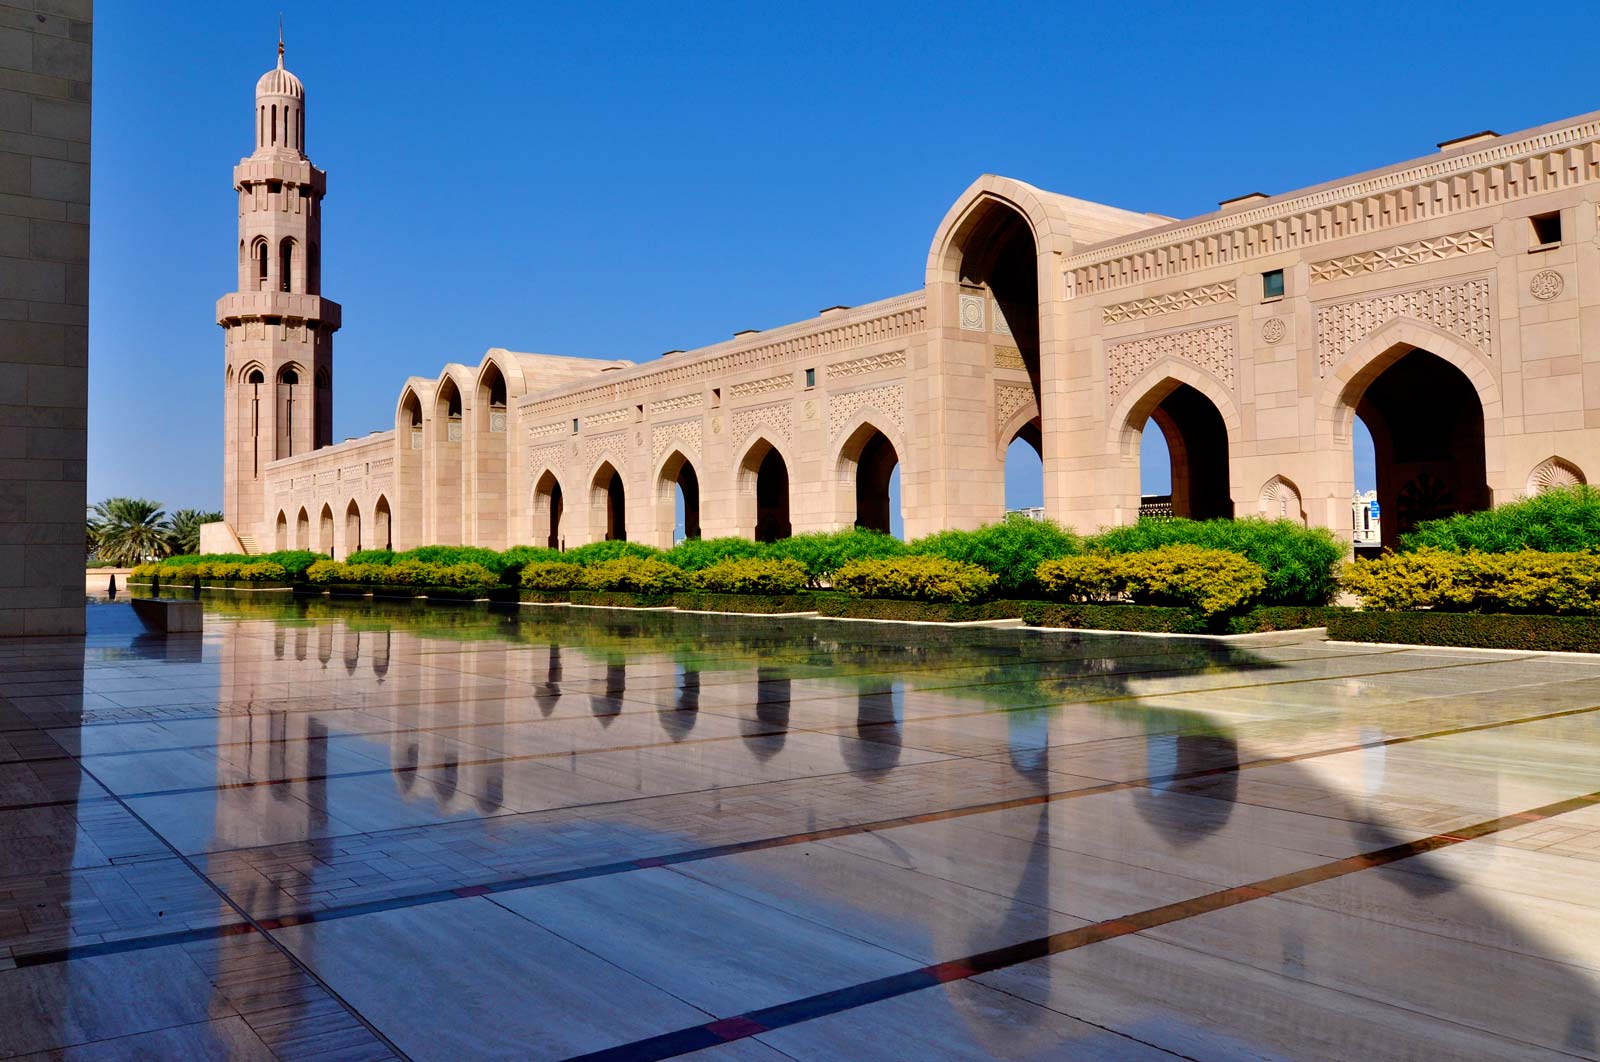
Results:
x,y
248,305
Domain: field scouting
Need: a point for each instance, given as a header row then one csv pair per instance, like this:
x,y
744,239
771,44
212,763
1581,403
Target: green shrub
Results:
x,y
1210,581
1526,581
1573,634
1300,563
1564,520
635,575
552,575
144,572
262,572
327,571
822,553
405,572
449,556
1012,549
694,554
595,552
294,561
1091,577
1097,617
754,575
372,556
915,579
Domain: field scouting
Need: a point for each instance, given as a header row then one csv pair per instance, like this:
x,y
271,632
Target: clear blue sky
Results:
x,y
617,181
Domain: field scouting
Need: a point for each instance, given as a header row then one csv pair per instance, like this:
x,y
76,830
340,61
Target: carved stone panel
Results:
x,y
1463,309
683,434
890,400
777,418
1211,347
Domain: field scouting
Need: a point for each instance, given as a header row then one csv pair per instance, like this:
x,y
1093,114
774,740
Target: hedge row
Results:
x,y
1210,582
1564,520
1574,634
1522,582
1155,619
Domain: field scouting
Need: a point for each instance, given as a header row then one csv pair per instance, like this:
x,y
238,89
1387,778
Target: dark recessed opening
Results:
x,y
1272,284
1546,228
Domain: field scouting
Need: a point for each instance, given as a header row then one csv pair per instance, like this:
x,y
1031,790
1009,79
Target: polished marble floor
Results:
x,y
338,831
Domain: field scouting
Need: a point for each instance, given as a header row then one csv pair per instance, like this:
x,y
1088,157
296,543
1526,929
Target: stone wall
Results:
x,y
45,50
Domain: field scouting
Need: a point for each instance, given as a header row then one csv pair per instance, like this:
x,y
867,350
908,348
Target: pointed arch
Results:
x,y
447,485
325,530
867,468
1201,426
1280,499
762,485
382,525
352,528
489,458
608,504
1552,473
302,530
280,534
548,507
674,475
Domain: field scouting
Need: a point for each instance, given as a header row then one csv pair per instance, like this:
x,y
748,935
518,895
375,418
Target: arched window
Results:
x,y
285,264
261,126
255,380
261,263
274,123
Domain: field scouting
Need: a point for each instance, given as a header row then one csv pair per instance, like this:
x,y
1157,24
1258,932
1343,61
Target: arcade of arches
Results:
x,y
1438,300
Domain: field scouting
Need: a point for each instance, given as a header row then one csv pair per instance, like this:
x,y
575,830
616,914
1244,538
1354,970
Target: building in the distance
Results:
x,y
1366,529
1451,301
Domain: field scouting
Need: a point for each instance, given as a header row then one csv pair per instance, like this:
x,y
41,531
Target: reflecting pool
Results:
x,y
349,830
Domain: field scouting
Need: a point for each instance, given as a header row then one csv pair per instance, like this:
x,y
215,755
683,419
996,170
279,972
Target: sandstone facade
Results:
x,y
1451,301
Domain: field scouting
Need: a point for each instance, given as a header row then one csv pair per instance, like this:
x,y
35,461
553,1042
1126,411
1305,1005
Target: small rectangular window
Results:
x,y
1272,284
574,425
1546,229
716,396
811,377
639,411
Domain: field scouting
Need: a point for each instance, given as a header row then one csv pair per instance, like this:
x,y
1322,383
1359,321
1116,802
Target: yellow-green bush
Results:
x,y
1209,581
915,579
262,572
552,575
754,575
1428,578
144,572
327,571
635,575
465,576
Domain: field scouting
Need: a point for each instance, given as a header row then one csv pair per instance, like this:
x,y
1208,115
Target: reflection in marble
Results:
x,y
541,832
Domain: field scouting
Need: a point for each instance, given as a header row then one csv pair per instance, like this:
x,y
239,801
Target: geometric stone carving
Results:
x,y
890,400
497,422
453,432
545,431
972,312
595,444
1417,252
610,416
550,455
1008,358
1211,348
893,359
1462,309
1187,299
1009,398
681,433
1281,501
778,417
1554,472
761,387
692,400
1002,327
1546,285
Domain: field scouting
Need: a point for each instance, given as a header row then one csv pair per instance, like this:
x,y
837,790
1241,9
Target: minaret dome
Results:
x,y
280,112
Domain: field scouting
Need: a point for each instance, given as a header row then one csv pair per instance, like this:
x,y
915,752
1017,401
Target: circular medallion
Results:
x,y
810,409
971,313
1546,284
1274,330
716,425
638,438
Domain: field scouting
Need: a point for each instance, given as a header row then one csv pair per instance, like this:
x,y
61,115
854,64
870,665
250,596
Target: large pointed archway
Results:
x,y
868,469
547,511
763,480
677,500
608,504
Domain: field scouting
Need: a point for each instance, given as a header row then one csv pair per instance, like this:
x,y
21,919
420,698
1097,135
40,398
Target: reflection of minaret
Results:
x,y
770,728
680,719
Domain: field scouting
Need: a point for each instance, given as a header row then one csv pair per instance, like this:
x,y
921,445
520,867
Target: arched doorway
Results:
x,y
490,460
447,465
293,426
764,490
1426,423
382,531
547,508
280,538
678,499
352,528
302,530
325,530
1024,469
609,503
868,462
999,261
1197,450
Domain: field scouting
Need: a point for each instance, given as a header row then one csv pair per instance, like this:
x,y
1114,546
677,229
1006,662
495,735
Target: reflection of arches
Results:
x,y
1197,434
679,720
1426,418
1172,759
763,479
874,749
547,507
352,528
382,531
325,530
867,462
766,733
677,475
608,504
1281,500
302,530
1554,472
280,536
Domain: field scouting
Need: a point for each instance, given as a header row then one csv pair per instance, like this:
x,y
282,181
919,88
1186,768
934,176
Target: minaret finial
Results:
x,y
280,40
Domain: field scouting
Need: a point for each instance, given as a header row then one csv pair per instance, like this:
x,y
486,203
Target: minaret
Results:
x,y
278,328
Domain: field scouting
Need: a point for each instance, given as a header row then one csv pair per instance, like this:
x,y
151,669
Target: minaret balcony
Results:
x,y
255,304
280,167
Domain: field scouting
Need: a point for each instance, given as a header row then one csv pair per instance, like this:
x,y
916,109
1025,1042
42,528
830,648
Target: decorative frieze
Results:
x,y
615,442
762,387
692,400
893,359
890,400
682,434
549,455
1171,302
1212,348
610,416
777,417
1009,358
1417,252
1463,309
548,431
1008,398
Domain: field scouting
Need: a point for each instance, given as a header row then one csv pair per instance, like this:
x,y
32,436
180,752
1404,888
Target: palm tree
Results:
x,y
129,530
183,529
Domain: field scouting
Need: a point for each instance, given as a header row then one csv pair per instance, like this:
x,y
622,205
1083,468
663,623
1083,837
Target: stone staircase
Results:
x,y
251,546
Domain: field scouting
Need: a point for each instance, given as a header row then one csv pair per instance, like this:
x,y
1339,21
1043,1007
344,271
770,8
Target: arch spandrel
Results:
x,y
1141,399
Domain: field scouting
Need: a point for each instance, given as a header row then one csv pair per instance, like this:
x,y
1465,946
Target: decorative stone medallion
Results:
x,y
716,425
1274,330
972,312
1546,284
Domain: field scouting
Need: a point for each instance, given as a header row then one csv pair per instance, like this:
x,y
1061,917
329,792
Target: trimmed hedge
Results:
x,y
1012,549
1564,520
620,599
1149,619
1572,634
556,576
770,604
635,575
1208,581
1523,582
754,575
404,573
1299,563
824,553
915,579
841,606
694,554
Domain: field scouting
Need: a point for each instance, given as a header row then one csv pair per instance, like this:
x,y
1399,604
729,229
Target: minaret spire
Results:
x,y
280,40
